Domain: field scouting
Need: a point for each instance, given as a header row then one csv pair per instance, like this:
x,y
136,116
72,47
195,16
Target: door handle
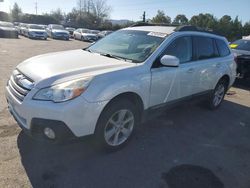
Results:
x,y
191,70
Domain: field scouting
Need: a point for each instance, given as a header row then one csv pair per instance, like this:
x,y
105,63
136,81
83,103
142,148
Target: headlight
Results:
x,y
64,91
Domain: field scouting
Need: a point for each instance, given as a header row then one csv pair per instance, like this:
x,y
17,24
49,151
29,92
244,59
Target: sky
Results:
x,y
133,9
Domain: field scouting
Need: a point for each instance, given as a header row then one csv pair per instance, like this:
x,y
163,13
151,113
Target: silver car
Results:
x,y
108,88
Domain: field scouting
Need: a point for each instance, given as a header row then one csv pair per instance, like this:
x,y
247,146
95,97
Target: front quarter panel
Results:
x,y
109,85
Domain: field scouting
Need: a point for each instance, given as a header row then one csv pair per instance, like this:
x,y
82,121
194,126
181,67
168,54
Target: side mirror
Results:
x,y
170,61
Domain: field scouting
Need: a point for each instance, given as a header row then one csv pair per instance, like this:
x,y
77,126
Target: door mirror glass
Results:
x,y
170,61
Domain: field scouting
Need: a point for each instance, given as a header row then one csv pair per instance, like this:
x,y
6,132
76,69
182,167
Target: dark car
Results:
x,y
71,31
242,50
8,30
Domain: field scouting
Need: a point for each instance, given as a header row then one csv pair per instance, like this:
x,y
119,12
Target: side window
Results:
x,y
204,48
222,47
181,48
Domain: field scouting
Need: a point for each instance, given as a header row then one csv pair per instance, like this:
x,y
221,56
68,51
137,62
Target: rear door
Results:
x,y
207,62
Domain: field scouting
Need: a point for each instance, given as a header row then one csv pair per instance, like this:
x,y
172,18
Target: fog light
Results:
x,y
49,133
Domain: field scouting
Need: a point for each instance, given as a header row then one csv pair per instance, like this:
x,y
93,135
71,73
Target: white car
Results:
x,y
55,31
107,88
85,35
36,32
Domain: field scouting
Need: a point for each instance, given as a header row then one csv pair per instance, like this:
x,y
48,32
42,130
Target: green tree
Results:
x,y
16,12
246,29
57,14
161,18
180,19
206,21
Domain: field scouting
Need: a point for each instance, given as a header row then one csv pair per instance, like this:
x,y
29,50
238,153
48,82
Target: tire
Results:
x,y
111,133
218,94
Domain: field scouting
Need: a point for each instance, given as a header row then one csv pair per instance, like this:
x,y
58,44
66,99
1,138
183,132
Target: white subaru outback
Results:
x,y
108,87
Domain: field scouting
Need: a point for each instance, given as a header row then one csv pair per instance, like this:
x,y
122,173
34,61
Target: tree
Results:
x,y
161,18
180,19
206,21
57,15
246,29
16,12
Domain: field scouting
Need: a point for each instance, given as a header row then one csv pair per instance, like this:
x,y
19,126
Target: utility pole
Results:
x,y
144,17
36,6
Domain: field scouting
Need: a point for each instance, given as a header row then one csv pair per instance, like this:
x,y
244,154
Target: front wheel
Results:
x,y
218,94
116,124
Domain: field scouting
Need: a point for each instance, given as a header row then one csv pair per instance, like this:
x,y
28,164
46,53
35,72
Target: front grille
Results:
x,y
19,85
39,33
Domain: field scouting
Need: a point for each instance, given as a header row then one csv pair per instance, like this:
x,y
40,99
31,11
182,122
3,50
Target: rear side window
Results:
x,y
222,47
181,48
204,48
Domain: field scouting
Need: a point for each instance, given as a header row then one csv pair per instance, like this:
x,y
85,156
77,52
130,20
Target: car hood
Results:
x,y
59,31
74,63
241,52
36,30
7,28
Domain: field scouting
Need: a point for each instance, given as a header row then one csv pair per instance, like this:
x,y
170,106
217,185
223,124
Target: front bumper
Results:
x,y
60,36
74,118
38,36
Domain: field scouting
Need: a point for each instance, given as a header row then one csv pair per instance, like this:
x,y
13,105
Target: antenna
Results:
x,y
36,6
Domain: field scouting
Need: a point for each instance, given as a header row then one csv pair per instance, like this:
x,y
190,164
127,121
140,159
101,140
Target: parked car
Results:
x,y
107,88
57,32
103,34
23,29
36,32
8,30
242,50
85,35
71,31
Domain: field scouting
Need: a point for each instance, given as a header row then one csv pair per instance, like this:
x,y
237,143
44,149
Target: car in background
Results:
x,y
85,35
71,31
23,29
103,34
36,32
241,48
8,30
43,26
55,31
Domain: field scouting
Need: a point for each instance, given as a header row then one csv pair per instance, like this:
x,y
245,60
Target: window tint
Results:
x,y
204,48
222,47
181,48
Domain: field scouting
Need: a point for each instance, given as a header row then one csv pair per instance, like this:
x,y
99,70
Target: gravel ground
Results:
x,y
191,148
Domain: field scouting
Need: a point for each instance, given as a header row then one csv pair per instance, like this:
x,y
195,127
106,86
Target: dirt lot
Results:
x,y
181,148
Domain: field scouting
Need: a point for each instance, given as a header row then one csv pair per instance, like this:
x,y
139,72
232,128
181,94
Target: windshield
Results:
x,y
6,24
136,46
241,45
35,27
57,27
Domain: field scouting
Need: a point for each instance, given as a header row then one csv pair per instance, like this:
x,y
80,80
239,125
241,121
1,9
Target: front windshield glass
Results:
x,y
241,45
6,24
136,46
35,27
57,27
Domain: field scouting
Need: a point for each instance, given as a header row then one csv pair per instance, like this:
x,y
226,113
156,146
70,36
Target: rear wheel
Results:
x,y
116,124
218,94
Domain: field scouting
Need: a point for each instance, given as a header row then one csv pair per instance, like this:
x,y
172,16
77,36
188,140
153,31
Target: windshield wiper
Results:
x,y
116,57
88,50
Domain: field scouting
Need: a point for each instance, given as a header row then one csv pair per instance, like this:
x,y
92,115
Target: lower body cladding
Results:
x,y
55,121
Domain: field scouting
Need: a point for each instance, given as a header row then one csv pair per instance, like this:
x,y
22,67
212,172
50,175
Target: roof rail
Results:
x,y
195,28
151,24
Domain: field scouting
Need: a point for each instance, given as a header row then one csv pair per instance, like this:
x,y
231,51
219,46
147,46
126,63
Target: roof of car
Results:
x,y
161,29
